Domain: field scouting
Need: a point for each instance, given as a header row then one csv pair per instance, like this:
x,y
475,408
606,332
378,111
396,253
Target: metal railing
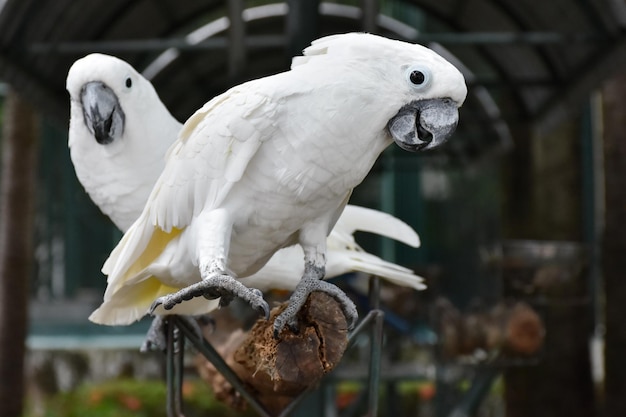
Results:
x,y
179,331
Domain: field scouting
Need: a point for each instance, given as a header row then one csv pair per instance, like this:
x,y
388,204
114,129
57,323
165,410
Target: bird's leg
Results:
x,y
312,280
212,243
215,284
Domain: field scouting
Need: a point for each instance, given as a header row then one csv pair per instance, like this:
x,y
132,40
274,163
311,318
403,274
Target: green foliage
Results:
x,y
133,398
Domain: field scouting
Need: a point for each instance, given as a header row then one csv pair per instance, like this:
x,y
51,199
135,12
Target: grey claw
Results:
x,y
154,305
264,309
281,321
297,299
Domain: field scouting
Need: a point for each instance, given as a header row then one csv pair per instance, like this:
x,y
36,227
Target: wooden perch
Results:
x,y
278,370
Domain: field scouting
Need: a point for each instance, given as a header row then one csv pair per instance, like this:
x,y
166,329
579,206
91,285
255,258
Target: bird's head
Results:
x,y
433,92
416,90
101,88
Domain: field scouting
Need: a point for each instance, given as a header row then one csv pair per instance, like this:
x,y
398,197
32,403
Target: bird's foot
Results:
x,y
289,316
220,286
156,338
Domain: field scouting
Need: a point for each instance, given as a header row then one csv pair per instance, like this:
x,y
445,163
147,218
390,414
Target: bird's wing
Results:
x,y
209,156
131,303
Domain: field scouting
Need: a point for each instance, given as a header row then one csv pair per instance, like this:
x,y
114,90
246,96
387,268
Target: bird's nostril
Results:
x,y
108,123
423,134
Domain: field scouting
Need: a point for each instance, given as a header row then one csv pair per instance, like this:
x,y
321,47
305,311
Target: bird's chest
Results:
x,y
307,171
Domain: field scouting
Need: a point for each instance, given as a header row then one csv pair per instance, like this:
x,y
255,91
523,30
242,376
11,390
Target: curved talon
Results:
x,y
154,305
264,309
218,286
305,287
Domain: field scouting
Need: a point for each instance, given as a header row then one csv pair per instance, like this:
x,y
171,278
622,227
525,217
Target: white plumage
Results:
x,y
119,175
272,163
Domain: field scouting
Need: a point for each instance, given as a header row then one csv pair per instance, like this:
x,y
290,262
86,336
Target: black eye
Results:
x,y
129,83
417,77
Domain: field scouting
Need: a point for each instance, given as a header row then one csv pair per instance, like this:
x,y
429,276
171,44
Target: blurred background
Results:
x,y
521,215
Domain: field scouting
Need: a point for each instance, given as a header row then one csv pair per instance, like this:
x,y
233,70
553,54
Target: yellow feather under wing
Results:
x,y
160,239
135,272
130,303
130,294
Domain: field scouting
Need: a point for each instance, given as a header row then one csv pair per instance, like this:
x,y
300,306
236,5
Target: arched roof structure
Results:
x,y
525,61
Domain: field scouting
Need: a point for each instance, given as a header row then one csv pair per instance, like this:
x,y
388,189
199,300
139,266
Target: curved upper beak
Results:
x,y
424,124
103,114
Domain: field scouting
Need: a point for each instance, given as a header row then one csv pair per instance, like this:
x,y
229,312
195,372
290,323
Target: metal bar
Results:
x,y
479,389
369,15
361,326
374,293
376,342
293,404
236,37
275,41
209,352
302,24
488,38
175,351
170,370
329,398
179,370
150,45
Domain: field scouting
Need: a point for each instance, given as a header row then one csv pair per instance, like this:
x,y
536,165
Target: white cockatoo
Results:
x,y
272,162
118,136
114,110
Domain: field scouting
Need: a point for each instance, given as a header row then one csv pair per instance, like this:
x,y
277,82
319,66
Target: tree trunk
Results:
x,y
614,245
19,146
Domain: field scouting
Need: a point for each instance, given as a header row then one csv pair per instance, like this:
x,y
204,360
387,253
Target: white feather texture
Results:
x,y
119,176
107,171
344,254
268,164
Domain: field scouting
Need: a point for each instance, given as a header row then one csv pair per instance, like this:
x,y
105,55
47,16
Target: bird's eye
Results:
x,y
418,77
129,82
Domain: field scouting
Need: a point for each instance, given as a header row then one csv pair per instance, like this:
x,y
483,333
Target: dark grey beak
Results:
x,y
424,124
103,114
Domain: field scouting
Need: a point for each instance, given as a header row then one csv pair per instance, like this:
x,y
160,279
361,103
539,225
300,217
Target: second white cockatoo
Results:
x,y
118,136
272,163
119,133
